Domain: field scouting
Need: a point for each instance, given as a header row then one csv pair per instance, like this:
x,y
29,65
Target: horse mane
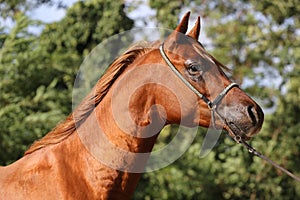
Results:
x,y
85,108
78,116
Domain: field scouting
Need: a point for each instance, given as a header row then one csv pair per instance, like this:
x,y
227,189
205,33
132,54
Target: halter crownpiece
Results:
x,y
212,106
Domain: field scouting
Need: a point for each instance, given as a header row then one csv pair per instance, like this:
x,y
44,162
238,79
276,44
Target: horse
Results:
x,y
99,151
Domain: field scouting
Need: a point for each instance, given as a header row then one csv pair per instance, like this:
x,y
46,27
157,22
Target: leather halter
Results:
x,y
212,105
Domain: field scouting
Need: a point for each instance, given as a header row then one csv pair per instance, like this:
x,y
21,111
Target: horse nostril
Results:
x,y
252,114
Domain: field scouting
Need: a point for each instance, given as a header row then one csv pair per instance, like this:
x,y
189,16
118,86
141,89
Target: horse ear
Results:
x,y
195,31
183,25
178,35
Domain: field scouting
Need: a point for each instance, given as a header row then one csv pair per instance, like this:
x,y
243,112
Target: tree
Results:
x,y
38,71
10,8
258,41
27,97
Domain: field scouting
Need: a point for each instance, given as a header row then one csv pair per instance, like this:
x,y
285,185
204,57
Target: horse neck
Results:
x,y
128,115
120,136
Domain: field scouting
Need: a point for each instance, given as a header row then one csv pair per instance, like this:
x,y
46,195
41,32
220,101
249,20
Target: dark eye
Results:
x,y
194,69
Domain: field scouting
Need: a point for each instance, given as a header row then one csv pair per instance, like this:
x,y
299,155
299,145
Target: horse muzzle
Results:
x,y
243,121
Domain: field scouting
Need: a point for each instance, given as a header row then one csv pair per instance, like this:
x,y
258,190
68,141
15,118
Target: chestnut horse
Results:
x,y
143,90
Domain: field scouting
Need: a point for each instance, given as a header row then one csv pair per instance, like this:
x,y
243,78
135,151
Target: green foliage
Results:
x,y
167,11
29,103
8,8
279,10
259,40
261,47
38,72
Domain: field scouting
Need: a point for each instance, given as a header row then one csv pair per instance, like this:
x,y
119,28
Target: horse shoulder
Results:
x,y
30,176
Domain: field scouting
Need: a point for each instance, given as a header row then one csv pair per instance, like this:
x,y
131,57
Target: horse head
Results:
x,y
218,100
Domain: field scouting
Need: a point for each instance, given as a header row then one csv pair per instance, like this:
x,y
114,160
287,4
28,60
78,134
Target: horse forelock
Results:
x,y
78,116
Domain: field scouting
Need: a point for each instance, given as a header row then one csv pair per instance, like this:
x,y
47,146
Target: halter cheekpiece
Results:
x,y
211,104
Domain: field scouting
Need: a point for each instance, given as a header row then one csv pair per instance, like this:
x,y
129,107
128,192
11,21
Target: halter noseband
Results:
x,y
211,104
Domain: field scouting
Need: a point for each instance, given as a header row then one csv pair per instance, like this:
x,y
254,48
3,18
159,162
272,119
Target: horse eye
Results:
x,y
194,69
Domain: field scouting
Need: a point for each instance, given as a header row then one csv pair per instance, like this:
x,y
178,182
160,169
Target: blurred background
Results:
x,y
44,42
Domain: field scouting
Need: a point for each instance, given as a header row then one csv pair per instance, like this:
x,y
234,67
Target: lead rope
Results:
x,y
260,155
212,106
253,151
